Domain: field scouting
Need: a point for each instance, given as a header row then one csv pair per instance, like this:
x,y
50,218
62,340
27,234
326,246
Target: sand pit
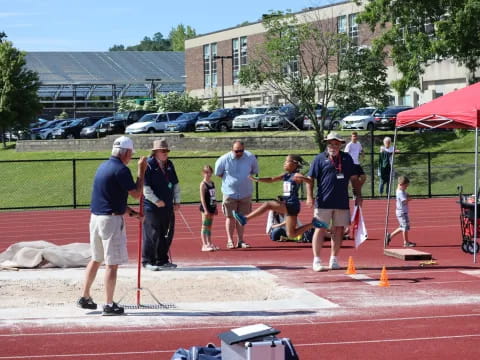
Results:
x,y
213,288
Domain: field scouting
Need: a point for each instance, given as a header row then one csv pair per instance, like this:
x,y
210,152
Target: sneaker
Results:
x,y
388,238
333,264
112,310
242,220
319,224
409,244
86,303
243,245
151,267
167,266
317,266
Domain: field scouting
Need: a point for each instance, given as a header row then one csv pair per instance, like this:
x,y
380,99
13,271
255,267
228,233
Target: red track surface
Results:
x,y
427,313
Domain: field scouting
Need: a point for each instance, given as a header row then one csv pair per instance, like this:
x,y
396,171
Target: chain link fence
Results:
x,y
67,183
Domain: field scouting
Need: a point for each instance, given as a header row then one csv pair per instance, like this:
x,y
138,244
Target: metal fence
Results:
x,y
67,183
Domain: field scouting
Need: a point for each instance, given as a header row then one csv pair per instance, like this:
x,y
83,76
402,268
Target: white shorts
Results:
x,y
108,239
338,217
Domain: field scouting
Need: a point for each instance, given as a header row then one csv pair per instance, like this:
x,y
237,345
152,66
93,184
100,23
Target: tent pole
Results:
x,y
389,187
475,192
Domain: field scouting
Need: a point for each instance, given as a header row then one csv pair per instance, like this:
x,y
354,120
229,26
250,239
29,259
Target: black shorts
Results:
x,y
293,208
210,209
358,170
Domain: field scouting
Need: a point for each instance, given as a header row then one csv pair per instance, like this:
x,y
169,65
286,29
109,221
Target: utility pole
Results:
x,y
216,57
152,86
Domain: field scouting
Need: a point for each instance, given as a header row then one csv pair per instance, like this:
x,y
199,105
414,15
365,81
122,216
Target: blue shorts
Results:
x,y
403,221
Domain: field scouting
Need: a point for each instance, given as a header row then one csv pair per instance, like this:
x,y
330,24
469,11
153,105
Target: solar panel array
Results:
x,y
94,73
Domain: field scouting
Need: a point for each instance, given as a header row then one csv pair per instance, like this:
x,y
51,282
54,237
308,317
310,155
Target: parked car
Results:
x,y
362,119
120,121
386,120
72,130
35,131
152,123
219,120
47,133
186,121
92,130
283,118
252,118
332,121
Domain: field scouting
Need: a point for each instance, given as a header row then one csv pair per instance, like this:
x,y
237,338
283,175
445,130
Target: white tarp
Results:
x,y
31,254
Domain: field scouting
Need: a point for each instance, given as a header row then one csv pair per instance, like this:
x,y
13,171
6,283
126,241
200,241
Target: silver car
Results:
x,y
252,118
362,119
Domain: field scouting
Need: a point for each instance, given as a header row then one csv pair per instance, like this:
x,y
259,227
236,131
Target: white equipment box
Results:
x,y
257,350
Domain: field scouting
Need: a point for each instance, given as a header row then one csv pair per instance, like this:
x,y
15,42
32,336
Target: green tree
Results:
x,y
19,102
366,83
157,43
418,33
179,34
306,61
214,102
174,101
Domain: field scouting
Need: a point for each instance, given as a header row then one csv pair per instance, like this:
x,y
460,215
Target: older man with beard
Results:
x,y
332,170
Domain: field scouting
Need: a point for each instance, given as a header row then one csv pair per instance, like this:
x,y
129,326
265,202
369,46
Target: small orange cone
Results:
x,y
384,278
350,267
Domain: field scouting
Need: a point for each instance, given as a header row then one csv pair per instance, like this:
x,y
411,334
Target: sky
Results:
x,y
66,25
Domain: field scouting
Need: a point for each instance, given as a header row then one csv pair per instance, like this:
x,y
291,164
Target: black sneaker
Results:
x,y
86,303
112,310
167,266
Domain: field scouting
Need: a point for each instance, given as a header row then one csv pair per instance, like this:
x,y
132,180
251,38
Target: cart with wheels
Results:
x,y
467,221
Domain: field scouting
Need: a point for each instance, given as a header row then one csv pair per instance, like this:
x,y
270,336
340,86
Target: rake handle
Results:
x,y
139,254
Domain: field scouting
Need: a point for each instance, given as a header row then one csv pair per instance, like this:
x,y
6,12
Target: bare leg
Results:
x,y
317,241
239,231
110,282
276,206
230,224
90,274
292,230
337,238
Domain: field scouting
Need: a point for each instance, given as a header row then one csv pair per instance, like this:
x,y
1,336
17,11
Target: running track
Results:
x,y
427,312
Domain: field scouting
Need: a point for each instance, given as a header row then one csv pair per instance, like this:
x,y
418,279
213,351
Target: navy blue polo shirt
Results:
x,y
160,182
332,192
112,182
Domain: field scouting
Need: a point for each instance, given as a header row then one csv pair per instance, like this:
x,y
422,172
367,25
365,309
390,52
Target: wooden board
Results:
x,y
408,254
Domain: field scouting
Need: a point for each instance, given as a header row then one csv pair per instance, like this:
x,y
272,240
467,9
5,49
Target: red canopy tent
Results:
x,y
459,109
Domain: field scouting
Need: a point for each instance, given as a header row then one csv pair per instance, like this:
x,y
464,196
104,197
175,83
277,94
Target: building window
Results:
x,y
348,26
353,29
239,57
209,65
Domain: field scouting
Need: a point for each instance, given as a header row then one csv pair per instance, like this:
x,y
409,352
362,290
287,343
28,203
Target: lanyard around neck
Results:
x,y
338,166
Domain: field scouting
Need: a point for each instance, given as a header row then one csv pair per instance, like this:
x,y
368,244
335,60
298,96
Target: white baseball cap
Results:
x,y
123,142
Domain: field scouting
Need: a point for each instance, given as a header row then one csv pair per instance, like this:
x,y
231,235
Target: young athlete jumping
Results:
x,y
289,203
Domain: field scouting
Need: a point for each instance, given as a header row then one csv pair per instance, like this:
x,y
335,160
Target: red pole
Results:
x,y
139,255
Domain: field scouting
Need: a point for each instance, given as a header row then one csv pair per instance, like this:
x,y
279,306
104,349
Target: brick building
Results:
x,y
232,47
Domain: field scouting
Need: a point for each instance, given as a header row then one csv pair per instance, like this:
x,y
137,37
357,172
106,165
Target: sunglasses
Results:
x,y
239,151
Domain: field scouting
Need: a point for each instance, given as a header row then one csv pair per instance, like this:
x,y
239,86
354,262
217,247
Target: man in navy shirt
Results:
x,y
332,171
112,184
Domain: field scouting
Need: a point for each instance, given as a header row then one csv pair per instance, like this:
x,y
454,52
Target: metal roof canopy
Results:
x,y
102,68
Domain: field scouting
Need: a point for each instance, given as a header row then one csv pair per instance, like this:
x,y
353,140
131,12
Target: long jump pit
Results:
x,y
48,296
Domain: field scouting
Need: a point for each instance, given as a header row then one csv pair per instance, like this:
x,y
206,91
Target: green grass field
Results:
x,y
30,180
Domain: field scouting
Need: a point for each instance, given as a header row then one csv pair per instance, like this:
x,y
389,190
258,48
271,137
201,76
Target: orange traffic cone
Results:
x,y
350,267
384,278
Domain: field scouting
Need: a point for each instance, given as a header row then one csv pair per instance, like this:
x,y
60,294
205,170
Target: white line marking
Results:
x,y
391,340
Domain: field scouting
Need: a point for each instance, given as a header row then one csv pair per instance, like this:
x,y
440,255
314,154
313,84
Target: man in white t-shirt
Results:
x,y
355,149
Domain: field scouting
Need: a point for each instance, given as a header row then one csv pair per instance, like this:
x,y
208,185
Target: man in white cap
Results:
x,y
112,184
332,170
